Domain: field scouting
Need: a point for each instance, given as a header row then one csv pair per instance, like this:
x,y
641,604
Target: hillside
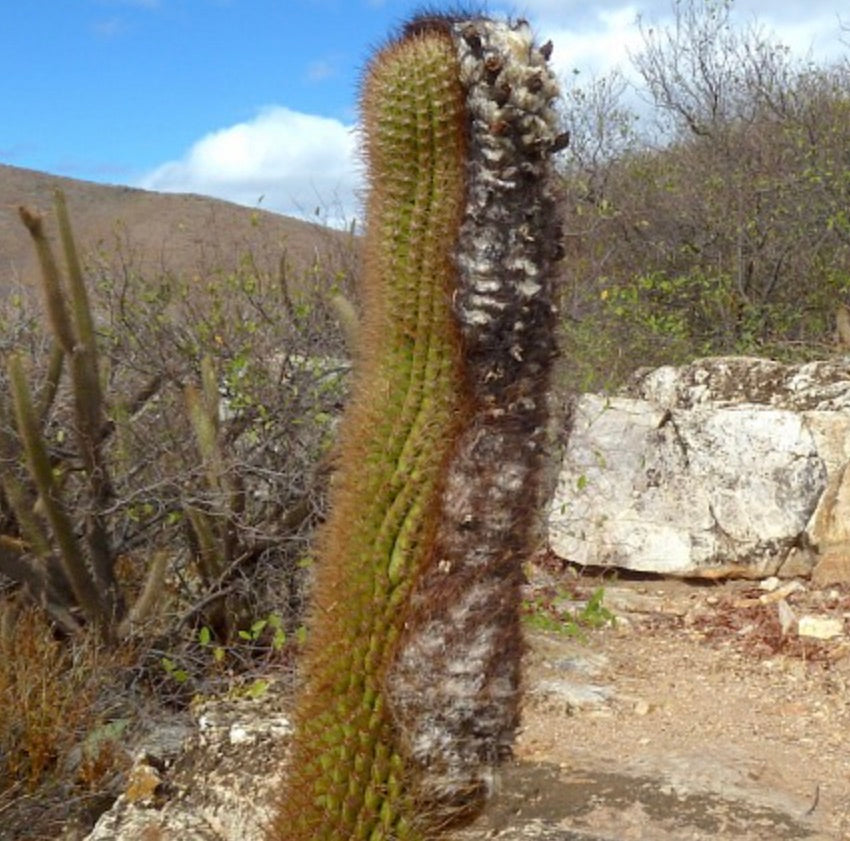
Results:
x,y
181,233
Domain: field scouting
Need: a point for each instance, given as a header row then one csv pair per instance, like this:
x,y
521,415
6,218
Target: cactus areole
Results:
x,y
411,679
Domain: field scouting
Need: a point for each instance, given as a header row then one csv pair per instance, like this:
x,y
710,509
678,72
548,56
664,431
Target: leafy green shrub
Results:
x,y
724,232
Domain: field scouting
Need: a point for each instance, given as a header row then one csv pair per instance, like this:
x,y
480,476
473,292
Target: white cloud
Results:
x,y
595,37
603,42
294,161
299,161
321,69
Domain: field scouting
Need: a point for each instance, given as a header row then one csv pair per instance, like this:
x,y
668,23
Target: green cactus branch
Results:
x,y
72,563
411,679
89,396
50,281
33,537
38,461
214,527
83,320
27,557
74,332
55,366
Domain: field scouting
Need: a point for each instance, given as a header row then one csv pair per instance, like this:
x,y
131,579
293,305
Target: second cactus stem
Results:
x,y
411,680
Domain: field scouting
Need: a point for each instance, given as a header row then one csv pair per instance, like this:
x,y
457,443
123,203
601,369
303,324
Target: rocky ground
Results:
x,y
707,712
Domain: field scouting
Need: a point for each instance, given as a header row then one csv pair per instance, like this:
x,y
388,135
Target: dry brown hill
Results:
x,y
182,233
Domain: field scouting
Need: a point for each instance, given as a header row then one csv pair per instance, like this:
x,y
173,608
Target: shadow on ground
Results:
x,y
543,801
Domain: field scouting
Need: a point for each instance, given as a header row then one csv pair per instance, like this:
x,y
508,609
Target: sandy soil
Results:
x,y
694,717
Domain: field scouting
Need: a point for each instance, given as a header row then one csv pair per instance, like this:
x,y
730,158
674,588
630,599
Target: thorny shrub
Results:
x,y
225,500
712,220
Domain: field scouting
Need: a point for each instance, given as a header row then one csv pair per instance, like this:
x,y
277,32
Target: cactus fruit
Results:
x,y
411,679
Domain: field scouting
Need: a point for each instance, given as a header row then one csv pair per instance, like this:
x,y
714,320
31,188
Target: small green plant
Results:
x,y
274,623
254,690
205,639
263,640
562,613
174,671
594,614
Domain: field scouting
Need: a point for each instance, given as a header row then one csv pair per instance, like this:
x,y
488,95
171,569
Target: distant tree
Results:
x,y
730,233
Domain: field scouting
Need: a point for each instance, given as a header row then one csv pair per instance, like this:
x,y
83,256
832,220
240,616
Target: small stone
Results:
x,y
820,627
787,618
769,584
833,567
144,780
782,592
239,735
624,625
642,707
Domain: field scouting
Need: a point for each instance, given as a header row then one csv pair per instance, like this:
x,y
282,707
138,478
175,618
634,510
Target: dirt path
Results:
x,y
694,718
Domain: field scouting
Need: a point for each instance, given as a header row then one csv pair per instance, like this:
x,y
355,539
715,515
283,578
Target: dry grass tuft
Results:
x,y
56,728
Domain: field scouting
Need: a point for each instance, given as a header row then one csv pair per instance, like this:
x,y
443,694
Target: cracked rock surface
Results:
x,y
216,785
710,470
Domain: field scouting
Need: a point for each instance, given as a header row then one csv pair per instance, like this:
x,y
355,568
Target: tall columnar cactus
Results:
x,y
70,566
411,681
89,571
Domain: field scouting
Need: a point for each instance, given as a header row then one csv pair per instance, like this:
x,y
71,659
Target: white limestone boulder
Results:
x,y
708,470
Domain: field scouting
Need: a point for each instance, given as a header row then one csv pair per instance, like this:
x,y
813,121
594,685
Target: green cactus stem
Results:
x,y
74,333
411,680
74,563
214,522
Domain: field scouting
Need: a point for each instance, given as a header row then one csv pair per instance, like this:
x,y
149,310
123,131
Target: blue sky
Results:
x,y
244,99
